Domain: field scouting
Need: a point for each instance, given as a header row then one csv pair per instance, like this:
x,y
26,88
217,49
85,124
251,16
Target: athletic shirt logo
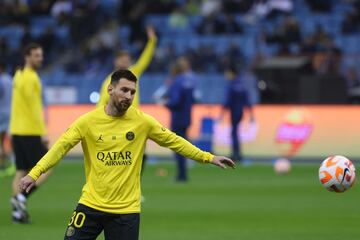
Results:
x,y
130,136
100,138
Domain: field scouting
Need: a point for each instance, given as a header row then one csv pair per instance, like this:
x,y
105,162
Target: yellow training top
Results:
x,y
113,151
137,69
27,117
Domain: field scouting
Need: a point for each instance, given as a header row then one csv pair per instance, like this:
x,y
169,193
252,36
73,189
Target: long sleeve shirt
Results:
x,y
113,151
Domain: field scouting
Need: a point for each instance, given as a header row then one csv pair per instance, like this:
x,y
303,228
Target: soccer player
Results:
x,y
237,98
113,139
5,104
27,127
180,101
123,61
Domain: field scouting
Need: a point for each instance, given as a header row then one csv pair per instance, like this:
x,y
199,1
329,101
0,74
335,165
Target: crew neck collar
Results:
x,y
114,117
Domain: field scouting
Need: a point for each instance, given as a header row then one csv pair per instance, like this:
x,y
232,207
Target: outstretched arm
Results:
x,y
66,142
144,60
166,138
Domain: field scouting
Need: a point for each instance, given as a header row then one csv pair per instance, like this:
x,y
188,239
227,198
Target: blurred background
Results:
x,y
318,42
301,60
295,53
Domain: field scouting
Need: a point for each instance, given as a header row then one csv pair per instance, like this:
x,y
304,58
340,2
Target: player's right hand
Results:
x,y
150,32
45,141
26,183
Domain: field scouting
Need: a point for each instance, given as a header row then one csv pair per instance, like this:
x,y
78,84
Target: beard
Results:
x,y
36,64
122,106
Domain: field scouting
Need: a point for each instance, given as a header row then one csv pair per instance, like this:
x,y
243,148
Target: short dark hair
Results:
x,y
118,74
30,47
232,68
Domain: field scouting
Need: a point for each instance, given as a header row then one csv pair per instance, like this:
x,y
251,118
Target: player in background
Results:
x,y
180,99
6,168
27,127
123,61
113,140
237,98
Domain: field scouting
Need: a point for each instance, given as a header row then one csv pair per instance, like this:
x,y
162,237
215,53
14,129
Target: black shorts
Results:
x,y
87,223
28,151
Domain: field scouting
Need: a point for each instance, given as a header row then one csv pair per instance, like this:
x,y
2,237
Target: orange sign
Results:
x,y
280,130
293,131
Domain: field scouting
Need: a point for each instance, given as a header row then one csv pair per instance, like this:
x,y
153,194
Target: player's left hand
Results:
x,y
27,183
223,162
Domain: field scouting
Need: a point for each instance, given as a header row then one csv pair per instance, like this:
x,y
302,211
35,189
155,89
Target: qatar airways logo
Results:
x,y
121,158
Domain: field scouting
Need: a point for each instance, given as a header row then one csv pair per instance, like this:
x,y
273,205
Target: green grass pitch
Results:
x,y
249,203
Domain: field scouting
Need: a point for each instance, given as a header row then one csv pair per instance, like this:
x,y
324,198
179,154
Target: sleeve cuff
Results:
x,y
35,173
208,157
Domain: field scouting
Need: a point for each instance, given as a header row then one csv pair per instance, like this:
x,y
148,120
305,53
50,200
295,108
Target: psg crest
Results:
x,y
130,136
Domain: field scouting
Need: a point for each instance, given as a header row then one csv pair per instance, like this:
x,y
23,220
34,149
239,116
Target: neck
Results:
x,y
111,110
27,65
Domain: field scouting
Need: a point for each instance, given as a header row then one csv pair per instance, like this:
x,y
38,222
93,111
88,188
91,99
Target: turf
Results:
x,y
247,203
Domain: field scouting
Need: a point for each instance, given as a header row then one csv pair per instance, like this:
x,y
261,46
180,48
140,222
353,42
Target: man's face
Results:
x,y
229,75
184,64
35,58
122,94
123,62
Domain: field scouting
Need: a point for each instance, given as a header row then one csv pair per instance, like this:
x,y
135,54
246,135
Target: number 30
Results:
x,y
78,218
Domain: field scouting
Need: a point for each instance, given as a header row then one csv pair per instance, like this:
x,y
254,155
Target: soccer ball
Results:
x,y
337,174
282,166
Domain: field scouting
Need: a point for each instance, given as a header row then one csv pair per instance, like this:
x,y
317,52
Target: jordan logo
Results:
x,y
100,138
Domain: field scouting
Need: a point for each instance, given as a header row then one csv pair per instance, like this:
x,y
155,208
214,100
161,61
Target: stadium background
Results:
x,y
303,59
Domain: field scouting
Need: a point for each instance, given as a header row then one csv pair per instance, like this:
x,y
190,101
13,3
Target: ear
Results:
x,y
110,89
